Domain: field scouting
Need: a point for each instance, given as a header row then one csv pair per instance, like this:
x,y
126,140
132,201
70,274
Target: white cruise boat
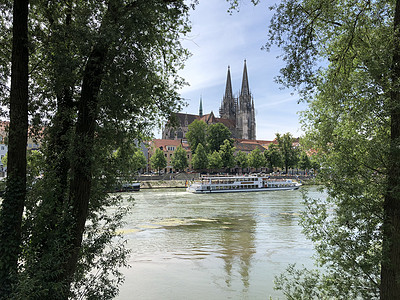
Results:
x,y
233,184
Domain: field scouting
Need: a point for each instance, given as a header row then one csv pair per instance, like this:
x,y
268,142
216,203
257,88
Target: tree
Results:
x,y
288,152
139,160
179,159
216,135
214,160
304,161
158,160
241,160
273,156
196,134
200,158
130,160
102,73
12,206
226,151
353,123
256,159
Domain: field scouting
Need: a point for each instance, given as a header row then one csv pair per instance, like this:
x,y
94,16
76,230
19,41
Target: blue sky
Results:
x,y
219,39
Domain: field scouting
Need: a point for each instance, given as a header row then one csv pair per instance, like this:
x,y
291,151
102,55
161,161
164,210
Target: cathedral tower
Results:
x,y
229,103
245,116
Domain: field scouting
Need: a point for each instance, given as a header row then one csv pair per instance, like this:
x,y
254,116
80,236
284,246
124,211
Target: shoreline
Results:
x,y
182,183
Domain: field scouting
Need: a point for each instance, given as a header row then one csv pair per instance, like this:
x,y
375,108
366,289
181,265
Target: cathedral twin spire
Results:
x,y
237,113
241,110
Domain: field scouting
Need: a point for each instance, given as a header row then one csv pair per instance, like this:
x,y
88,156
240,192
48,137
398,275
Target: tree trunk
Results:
x,y
14,198
390,274
81,168
59,144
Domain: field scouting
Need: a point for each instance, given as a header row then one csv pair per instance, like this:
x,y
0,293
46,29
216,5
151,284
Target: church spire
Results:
x,y
201,107
245,82
228,88
228,107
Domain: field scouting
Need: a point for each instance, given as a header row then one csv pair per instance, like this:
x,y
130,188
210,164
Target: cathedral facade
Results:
x,y
240,110
237,113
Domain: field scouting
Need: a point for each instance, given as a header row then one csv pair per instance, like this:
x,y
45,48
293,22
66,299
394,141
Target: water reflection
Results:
x,y
213,246
238,245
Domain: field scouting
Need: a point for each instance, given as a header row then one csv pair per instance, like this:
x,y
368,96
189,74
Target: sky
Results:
x,y
218,40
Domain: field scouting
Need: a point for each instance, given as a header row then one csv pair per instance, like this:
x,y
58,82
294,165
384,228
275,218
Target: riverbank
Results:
x,y
159,184
182,183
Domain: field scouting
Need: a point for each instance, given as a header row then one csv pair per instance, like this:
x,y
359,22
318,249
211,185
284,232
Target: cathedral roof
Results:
x,y
208,118
228,123
182,117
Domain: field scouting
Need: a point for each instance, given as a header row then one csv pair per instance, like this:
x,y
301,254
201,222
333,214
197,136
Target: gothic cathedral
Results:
x,y
239,110
237,114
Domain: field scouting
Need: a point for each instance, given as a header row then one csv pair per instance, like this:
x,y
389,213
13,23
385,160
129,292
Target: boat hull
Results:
x,y
129,187
241,184
268,189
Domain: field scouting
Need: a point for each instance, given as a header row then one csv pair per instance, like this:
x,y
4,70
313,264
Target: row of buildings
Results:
x,y
148,148
236,112
169,146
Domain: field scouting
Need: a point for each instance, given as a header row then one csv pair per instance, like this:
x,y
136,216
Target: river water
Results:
x,y
212,246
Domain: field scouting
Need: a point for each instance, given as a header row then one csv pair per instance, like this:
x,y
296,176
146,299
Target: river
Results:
x,y
212,246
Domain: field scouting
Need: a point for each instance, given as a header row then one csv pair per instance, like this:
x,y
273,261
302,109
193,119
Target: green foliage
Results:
x,y
158,160
304,161
312,286
35,164
179,159
349,123
235,4
241,160
200,158
216,135
226,151
288,152
129,160
256,159
139,160
4,160
196,134
115,64
106,254
214,160
273,156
